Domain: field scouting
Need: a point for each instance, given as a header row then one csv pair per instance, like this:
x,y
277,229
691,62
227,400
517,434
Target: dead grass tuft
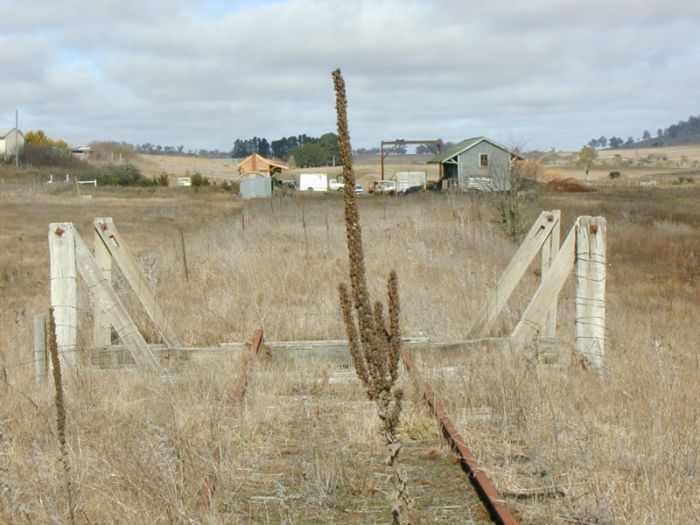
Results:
x,y
568,185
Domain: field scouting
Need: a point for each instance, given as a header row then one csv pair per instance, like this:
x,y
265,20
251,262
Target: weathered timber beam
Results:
x,y
115,244
534,317
114,309
539,233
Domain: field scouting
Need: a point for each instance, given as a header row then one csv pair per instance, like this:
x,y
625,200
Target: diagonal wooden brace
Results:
x,y
534,318
115,244
112,306
541,232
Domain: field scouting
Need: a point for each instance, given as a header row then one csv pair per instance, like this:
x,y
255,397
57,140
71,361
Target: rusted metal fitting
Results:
x,y
59,232
593,228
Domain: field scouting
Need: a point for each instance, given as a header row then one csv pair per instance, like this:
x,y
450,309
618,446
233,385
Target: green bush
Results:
x,y
198,181
512,207
231,186
120,175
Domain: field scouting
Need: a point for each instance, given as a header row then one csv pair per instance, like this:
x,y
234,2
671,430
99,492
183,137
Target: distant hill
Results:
x,y
686,132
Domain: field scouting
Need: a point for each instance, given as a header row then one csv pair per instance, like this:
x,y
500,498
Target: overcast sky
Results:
x,y
539,74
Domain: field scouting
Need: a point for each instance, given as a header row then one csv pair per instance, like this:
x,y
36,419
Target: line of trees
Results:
x,y
157,149
685,131
308,152
613,142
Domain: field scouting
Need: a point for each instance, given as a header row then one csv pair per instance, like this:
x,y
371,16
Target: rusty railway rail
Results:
x,y
488,494
248,362
206,493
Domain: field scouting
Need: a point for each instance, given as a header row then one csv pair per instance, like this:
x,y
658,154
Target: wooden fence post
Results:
x,y
40,362
64,289
102,329
590,289
550,248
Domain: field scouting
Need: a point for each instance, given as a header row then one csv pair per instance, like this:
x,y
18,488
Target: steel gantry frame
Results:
x,y
434,145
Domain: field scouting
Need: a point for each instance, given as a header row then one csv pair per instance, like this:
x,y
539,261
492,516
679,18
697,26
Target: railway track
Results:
x,y
317,457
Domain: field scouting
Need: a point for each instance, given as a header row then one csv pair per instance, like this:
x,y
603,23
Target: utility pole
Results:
x,y
16,138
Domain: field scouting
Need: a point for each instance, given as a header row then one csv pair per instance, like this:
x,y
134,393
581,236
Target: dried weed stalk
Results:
x,y
374,343
60,413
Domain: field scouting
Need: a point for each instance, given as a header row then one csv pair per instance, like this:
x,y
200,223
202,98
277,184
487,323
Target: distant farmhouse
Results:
x,y
81,153
11,141
476,163
255,163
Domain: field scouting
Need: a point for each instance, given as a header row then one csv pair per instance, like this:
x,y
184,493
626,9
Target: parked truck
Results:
x,y
313,182
335,185
409,180
383,186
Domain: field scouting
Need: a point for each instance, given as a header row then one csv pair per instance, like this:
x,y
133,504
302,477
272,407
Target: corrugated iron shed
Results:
x,y
255,185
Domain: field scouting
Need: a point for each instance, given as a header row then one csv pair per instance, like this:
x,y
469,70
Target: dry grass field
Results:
x,y
367,167
677,154
563,444
635,165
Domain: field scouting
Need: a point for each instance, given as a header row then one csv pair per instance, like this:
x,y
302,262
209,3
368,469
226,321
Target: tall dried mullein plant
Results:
x,y
60,414
374,341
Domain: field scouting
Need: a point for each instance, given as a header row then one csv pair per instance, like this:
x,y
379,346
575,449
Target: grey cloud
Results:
x,y
164,72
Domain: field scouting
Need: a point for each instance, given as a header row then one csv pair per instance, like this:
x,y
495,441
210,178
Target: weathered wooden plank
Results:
x,y
534,316
535,238
550,248
114,309
64,289
102,329
330,350
121,255
590,289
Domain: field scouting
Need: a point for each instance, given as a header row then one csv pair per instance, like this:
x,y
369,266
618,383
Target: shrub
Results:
x,y
162,180
198,181
568,185
111,151
511,207
614,175
53,156
231,186
121,175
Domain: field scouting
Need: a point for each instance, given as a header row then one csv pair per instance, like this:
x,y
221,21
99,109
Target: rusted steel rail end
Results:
x,y
248,362
487,492
206,493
